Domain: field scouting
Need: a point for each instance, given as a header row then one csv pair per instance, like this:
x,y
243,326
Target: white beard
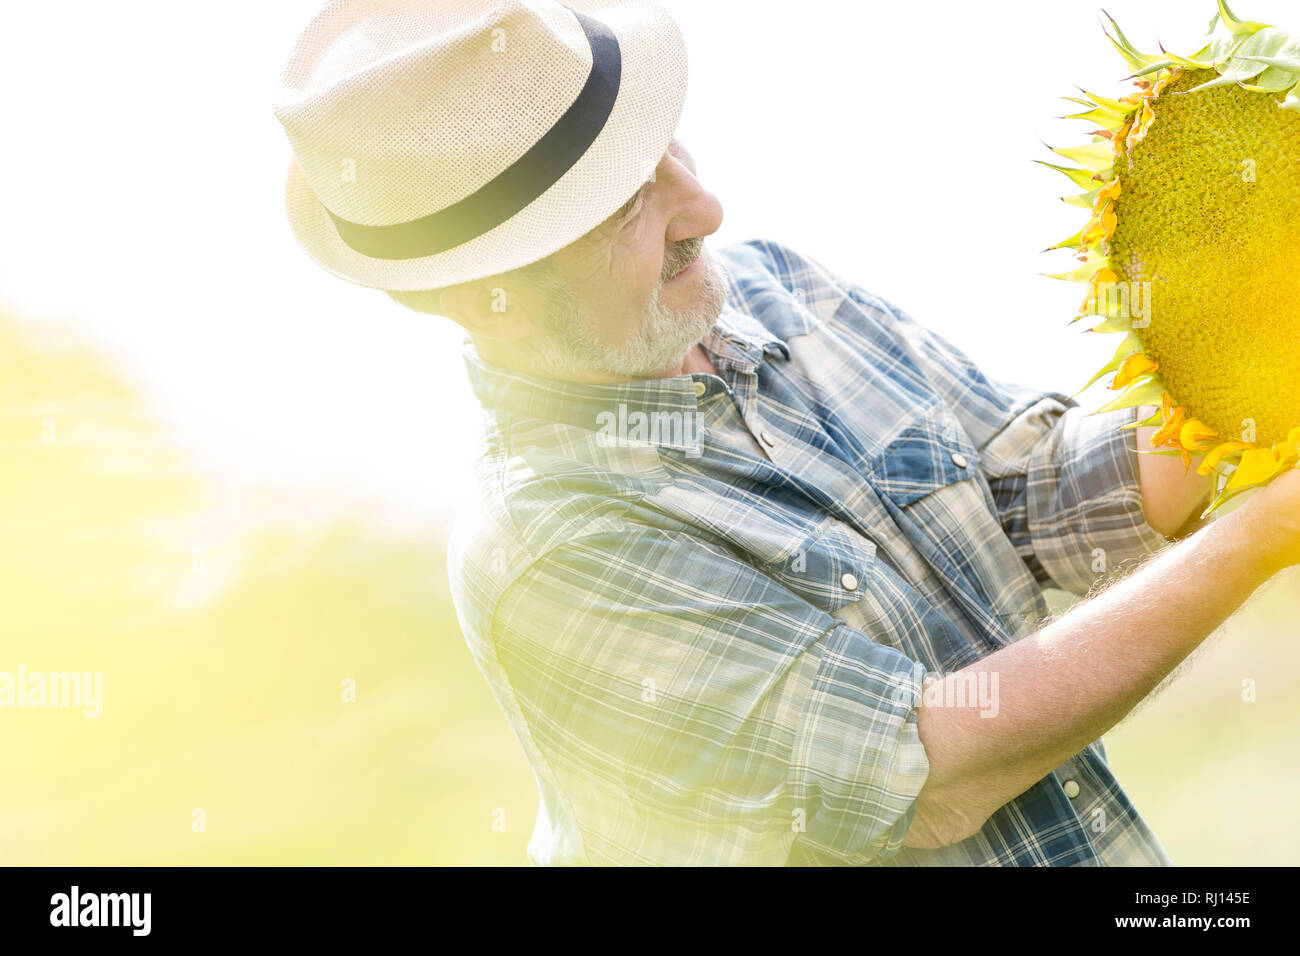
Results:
x,y
570,346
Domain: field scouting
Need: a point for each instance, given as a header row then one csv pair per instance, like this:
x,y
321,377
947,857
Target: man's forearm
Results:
x,y
1067,684
1172,494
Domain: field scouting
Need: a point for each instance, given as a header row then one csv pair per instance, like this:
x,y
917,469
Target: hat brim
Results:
x,y
640,127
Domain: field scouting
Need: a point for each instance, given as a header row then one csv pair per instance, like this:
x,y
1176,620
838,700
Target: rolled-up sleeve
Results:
x,y
696,710
858,763
1068,492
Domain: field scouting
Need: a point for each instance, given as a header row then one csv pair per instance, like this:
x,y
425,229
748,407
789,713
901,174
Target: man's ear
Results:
x,y
491,309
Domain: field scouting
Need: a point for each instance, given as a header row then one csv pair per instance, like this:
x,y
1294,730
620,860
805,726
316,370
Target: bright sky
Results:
x,y
143,169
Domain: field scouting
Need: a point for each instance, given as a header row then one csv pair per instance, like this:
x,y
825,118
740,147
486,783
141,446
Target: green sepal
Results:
x,y
1135,60
1286,63
1148,392
1236,26
1083,273
1153,68
1106,103
1155,421
1192,62
1094,156
1158,451
1114,323
1225,79
1103,118
1224,497
1130,346
1273,80
1083,200
1083,178
1074,242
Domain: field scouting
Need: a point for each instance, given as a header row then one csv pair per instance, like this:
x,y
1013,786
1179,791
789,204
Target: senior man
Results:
x,y
756,563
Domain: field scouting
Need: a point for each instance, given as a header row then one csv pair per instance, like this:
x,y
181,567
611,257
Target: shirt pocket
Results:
x,y
839,571
829,567
931,451
811,553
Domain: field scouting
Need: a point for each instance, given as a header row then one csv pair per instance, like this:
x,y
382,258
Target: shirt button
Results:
x,y
1071,789
700,389
850,582
768,440
959,459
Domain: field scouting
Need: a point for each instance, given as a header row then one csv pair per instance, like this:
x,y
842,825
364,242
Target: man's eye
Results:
x,y
629,210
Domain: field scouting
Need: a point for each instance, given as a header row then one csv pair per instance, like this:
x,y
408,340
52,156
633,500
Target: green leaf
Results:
x,y
1224,47
1292,102
1285,57
1250,60
1269,42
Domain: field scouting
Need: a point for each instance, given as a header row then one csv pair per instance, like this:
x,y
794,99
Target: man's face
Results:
x,y
642,288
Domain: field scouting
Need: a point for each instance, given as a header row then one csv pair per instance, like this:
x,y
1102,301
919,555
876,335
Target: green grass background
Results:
x,y
225,643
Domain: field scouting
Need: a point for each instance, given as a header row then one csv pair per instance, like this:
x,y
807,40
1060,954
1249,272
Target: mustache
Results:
x,y
681,256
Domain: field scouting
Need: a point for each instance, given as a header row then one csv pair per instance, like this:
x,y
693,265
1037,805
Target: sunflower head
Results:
x,y
1192,246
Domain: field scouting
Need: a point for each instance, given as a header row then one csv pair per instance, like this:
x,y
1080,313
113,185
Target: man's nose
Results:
x,y
697,212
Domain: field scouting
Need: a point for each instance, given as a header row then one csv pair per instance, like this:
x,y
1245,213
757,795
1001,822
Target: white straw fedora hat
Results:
x,y
439,141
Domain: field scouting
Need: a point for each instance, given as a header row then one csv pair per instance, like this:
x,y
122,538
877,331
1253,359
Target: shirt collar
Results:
x,y
736,343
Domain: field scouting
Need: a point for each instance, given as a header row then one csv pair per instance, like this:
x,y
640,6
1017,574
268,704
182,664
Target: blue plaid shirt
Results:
x,y
708,605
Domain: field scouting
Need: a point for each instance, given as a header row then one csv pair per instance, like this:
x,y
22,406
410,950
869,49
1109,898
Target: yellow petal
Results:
x,y
1193,432
1108,221
1103,277
1169,431
1216,454
1143,125
1092,235
1133,366
1257,465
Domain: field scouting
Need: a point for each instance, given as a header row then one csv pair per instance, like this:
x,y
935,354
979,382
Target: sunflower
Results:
x,y
1192,247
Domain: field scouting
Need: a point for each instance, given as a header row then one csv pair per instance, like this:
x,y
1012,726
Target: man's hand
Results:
x,y
1272,519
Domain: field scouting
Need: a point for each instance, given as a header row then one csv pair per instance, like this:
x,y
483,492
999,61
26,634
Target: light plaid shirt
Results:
x,y
707,604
